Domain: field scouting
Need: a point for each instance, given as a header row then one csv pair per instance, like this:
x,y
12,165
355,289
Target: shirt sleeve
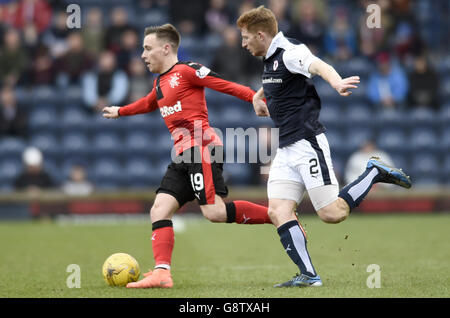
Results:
x,y
298,59
200,75
143,105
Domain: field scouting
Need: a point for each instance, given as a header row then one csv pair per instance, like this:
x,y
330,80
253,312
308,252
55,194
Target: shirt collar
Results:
x,y
276,42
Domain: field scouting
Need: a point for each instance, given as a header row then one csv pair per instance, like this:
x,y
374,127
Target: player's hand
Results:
x,y
260,105
261,108
111,112
343,86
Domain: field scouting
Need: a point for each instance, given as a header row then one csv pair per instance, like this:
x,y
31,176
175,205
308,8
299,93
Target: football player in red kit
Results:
x,y
196,171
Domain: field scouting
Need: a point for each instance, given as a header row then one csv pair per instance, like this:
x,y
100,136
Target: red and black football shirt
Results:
x,y
179,94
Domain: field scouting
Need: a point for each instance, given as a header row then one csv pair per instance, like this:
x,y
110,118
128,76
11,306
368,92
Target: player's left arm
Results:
x,y
200,75
328,73
299,59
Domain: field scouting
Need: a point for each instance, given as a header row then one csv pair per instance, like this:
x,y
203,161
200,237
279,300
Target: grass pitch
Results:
x,y
230,260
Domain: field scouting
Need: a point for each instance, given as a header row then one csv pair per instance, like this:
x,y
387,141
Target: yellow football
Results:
x,y
120,269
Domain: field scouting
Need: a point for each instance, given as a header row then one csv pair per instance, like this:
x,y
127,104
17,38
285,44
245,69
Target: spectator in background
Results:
x,y
55,38
424,84
74,62
140,83
217,17
280,8
245,6
340,39
239,70
33,178
13,58
42,69
37,13
92,32
8,10
188,16
405,37
129,46
388,86
78,184
119,24
13,120
309,24
372,40
107,85
356,163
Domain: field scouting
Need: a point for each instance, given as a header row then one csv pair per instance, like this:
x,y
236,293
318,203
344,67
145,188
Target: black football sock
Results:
x,y
356,191
294,243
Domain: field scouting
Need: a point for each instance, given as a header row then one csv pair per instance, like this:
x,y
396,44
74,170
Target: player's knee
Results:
x,y
212,216
273,215
332,215
279,216
158,212
214,213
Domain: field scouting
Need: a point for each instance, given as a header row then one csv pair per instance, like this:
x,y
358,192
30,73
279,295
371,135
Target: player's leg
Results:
x,y
239,211
316,169
209,188
329,207
285,190
376,171
282,211
215,212
293,239
173,192
163,239
333,206
161,213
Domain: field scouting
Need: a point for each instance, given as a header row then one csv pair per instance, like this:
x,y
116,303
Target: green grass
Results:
x,y
229,260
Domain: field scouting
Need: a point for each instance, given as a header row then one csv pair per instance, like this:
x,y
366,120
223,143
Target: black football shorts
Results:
x,y
199,179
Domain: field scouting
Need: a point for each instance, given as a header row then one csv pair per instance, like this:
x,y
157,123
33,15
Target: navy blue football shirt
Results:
x,y
293,102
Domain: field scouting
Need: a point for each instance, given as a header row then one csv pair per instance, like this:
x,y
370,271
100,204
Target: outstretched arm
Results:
x,y
143,105
328,73
299,59
200,75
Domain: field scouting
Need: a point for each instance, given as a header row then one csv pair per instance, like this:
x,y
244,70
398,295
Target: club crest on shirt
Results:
x,y
174,80
275,65
202,72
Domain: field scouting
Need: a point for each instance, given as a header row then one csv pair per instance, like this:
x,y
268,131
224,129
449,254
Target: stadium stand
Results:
x,y
134,152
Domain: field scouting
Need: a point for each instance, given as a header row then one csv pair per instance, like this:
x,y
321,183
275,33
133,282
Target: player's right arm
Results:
x,y
143,105
259,104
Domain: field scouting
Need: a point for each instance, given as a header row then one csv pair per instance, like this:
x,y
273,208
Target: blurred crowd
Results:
x,y
102,58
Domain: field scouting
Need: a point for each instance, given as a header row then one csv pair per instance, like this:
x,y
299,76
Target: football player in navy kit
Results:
x,y
302,162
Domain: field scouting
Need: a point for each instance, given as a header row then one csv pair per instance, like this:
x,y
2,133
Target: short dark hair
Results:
x,y
166,32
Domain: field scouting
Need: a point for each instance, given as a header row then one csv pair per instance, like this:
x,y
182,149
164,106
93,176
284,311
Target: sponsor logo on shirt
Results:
x,y
272,80
169,110
202,72
275,65
174,80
